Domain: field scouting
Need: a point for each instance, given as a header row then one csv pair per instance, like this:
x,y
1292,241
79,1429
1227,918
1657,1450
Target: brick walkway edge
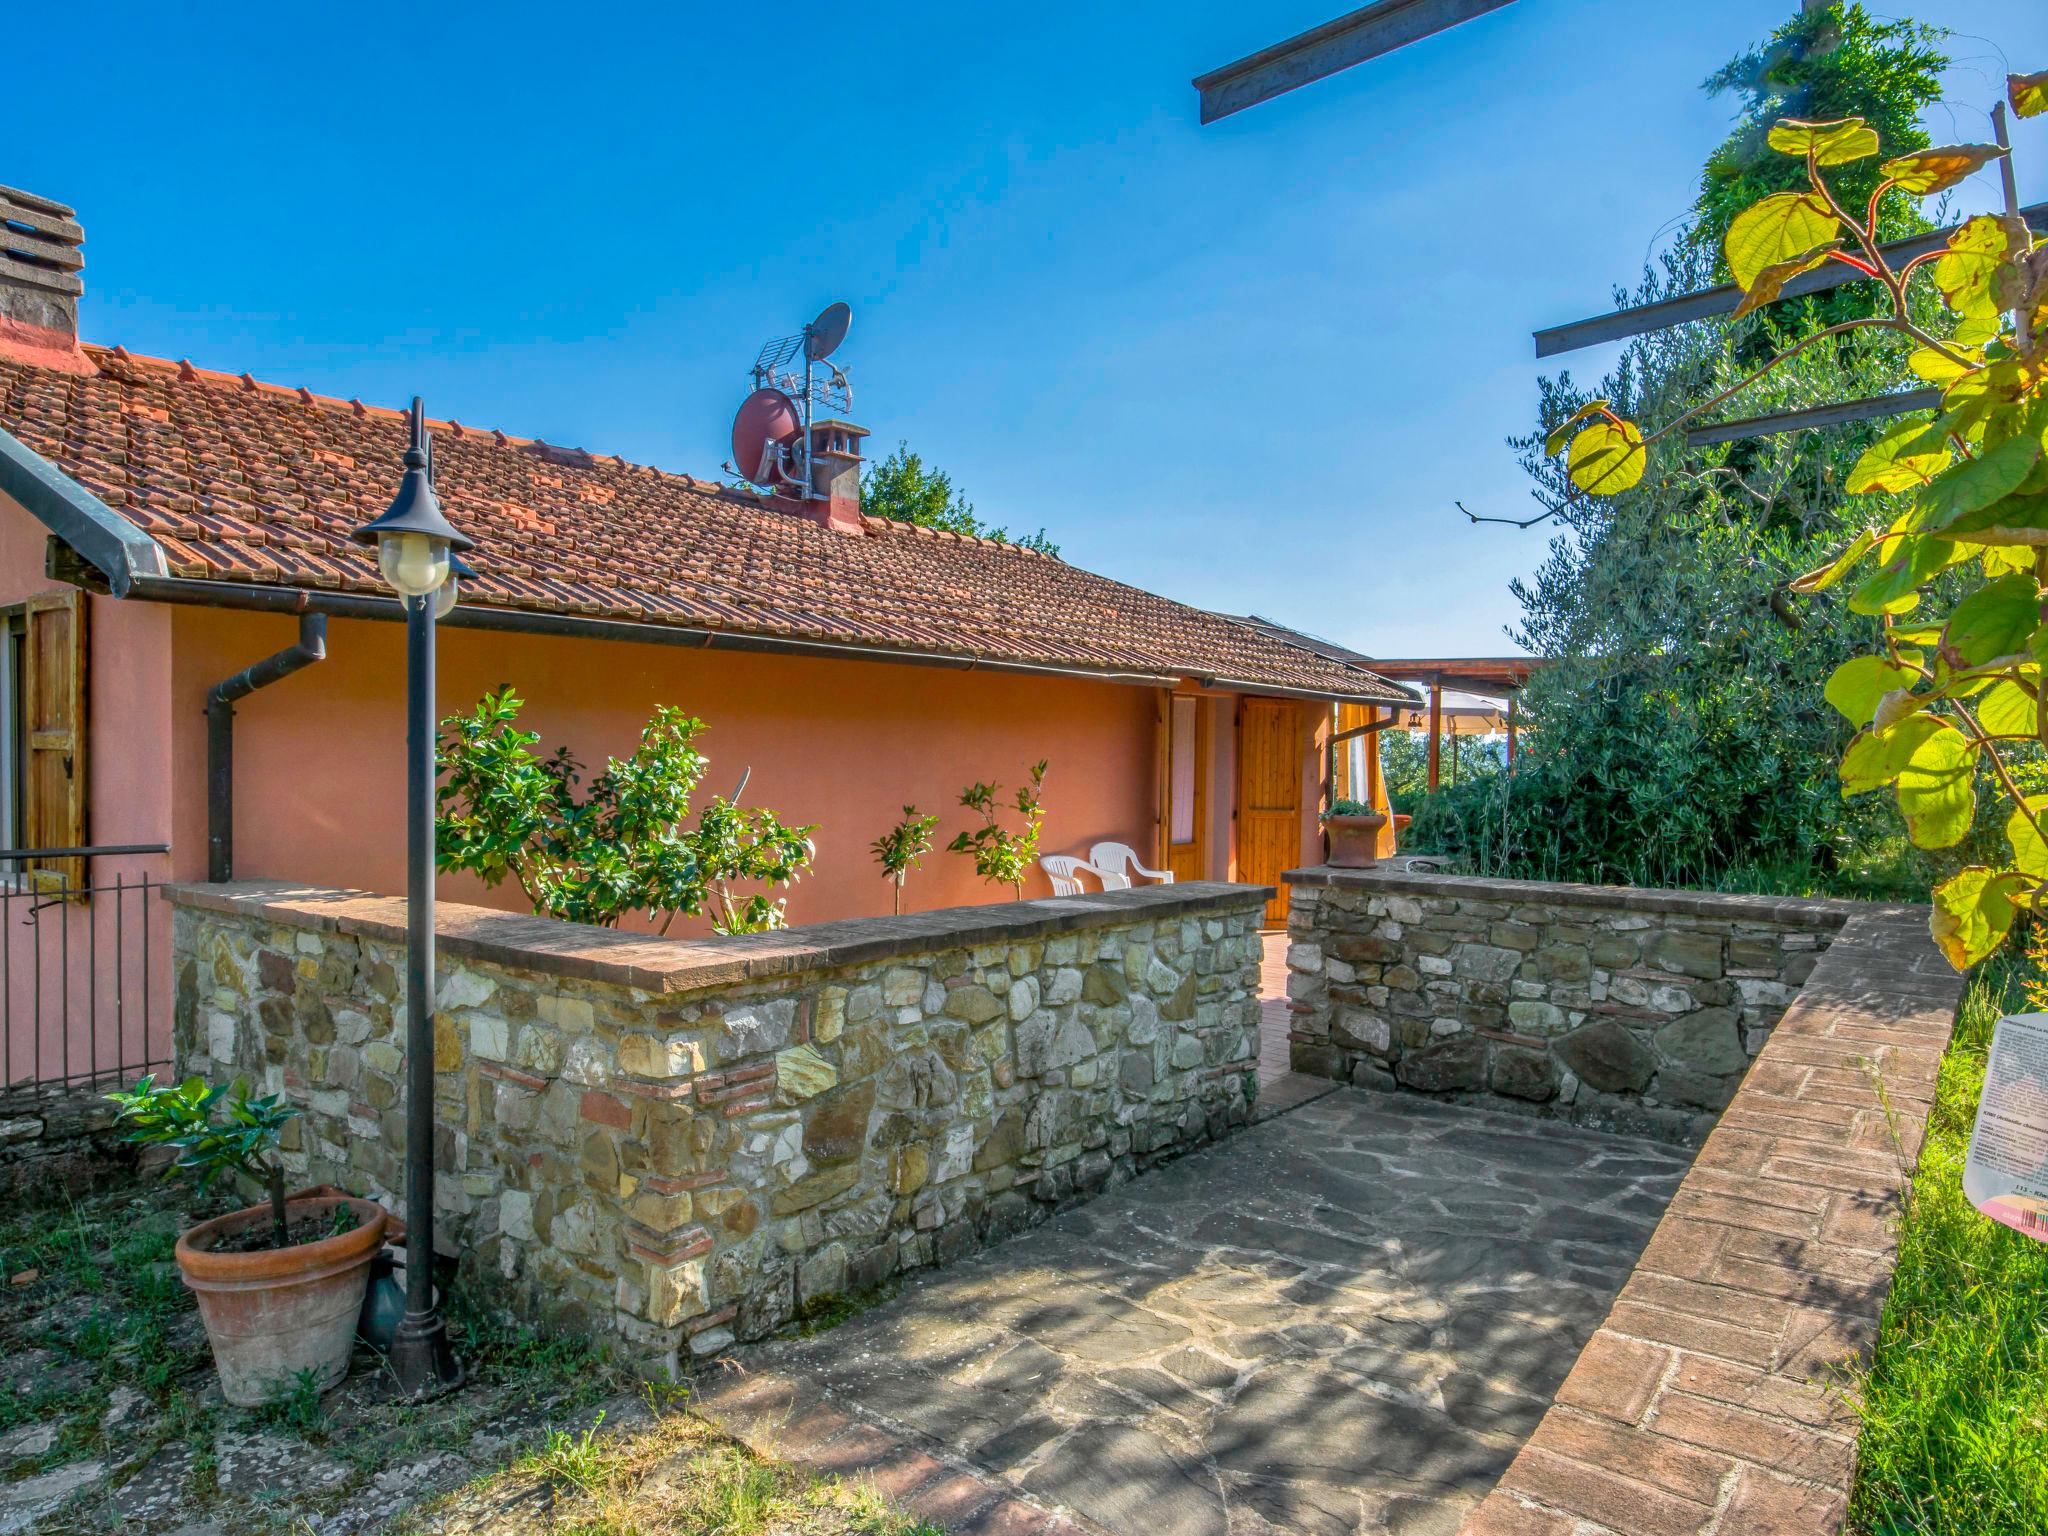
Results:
x,y
1709,1401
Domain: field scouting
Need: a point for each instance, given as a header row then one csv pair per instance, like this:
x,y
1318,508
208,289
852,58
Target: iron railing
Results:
x,y
80,1003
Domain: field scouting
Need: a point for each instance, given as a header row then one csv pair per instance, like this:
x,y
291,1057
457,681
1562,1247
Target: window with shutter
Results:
x,y
50,730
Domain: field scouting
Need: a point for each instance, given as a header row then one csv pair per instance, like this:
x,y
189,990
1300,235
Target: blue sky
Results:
x,y
1249,365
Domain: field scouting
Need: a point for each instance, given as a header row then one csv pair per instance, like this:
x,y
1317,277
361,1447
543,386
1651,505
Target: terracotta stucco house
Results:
x,y
164,526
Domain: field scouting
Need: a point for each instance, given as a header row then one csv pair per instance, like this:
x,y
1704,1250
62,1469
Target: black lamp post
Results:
x,y
416,552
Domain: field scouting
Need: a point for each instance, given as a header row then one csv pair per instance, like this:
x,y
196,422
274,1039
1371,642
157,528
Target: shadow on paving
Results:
x,y
1346,1319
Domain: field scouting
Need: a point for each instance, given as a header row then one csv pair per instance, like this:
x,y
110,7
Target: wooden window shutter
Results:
x,y
53,720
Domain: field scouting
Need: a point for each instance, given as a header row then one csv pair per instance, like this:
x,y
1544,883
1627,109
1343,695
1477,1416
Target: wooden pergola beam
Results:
x,y
1335,45
1871,409
1710,302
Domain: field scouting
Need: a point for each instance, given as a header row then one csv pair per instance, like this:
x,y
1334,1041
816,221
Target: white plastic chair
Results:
x,y
1064,871
1115,863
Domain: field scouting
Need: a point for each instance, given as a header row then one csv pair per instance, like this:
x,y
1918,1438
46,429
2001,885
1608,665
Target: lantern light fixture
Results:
x,y
414,539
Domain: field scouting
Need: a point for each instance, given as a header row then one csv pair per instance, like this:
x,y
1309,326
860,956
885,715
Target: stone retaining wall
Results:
x,y
61,1141
684,1142
1628,1010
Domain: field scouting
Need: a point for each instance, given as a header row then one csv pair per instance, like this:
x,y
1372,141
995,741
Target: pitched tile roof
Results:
x,y
248,482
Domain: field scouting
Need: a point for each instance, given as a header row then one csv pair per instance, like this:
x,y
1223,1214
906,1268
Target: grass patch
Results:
x,y
821,1314
672,1476
99,1307
1955,1403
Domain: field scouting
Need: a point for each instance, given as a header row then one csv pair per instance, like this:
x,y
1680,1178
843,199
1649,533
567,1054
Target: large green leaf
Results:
x,y
1938,787
1973,912
2007,709
1910,562
2028,851
1995,620
1765,287
2014,511
1859,683
1836,142
1937,367
1781,227
1966,274
1607,459
1928,171
2028,93
1823,577
1980,480
1901,460
1876,758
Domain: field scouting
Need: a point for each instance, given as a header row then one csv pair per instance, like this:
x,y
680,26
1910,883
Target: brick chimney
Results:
x,y
835,477
39,283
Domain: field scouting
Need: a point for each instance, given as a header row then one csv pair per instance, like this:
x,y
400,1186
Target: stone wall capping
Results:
x,y
581,952
1786,911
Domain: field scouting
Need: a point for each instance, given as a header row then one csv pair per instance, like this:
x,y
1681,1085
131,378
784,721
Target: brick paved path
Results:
x,y
1344,1320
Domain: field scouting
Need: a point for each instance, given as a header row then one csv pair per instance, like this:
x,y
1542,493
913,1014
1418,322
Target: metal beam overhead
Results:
x,y
1336,45
1708,303
1870,409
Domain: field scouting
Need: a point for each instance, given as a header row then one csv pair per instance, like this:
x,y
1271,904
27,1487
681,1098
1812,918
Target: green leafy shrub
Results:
x,y
243,1140
1000,856
619,847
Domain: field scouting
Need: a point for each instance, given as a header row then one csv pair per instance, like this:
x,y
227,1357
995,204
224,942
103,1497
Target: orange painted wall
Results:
x,y
319,767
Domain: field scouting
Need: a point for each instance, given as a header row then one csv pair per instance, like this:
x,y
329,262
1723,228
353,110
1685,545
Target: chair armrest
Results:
x,y
1163,876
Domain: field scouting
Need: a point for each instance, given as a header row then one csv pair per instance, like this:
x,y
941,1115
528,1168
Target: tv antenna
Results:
x,y
771,434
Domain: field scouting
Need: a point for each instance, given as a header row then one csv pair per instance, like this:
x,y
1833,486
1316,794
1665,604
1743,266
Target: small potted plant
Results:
x,y
1354,829
1001,856
903,847
280,1284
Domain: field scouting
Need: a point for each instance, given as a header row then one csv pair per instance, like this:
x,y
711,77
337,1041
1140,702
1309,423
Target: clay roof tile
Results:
x,y
238,481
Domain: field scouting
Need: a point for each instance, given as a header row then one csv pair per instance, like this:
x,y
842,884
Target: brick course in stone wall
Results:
x,y
683,1142
1634,1011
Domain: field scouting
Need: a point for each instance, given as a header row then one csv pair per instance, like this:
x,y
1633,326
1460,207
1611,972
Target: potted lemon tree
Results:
x,y
1354,829
279,1284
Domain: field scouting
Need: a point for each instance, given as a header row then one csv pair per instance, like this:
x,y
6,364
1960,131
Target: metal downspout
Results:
x,y
220,736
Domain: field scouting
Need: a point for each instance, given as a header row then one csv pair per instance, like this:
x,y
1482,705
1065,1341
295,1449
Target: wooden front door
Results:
x,y
1268,797
1187,787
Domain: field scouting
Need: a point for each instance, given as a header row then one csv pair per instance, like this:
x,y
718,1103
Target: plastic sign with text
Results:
x,y
2006,1176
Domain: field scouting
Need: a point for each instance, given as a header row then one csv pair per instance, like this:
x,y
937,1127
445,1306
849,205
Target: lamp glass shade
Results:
x,y
445,596
414,563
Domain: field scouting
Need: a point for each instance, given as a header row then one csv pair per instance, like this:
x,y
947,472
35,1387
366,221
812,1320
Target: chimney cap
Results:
x,y
39,241
39,282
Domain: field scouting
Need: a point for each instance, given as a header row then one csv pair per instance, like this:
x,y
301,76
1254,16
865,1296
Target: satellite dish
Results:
x,y
824,334
767,423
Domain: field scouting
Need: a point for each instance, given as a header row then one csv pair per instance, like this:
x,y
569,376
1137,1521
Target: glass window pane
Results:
x,y
1180,760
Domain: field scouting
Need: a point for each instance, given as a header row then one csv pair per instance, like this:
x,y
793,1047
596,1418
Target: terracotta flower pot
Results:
x,y
1354,839
276,1312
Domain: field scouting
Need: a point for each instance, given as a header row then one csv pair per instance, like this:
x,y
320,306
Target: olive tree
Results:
x,y
1958,509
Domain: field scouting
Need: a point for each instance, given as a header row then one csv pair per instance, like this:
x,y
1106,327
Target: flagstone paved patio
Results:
x,y
1344,1320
